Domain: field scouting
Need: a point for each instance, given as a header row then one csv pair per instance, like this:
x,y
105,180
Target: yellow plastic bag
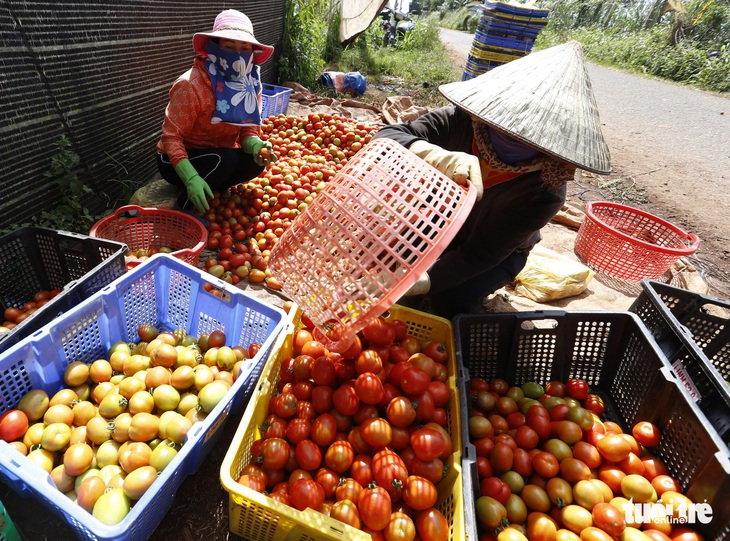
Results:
x,y
548,276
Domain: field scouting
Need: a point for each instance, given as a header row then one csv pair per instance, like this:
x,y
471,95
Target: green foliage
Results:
x,y
70,214
305,37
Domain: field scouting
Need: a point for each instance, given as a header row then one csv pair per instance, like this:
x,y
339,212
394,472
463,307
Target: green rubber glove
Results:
x,y
253,145
197,188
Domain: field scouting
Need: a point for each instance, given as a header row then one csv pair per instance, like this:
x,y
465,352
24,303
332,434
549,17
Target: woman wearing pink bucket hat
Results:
x,y
210,135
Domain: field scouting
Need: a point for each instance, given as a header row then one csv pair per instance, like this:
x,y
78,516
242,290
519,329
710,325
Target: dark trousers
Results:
x,y
468,296
220,167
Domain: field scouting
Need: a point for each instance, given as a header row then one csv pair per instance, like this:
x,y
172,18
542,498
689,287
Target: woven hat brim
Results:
x,y
544,99
263,54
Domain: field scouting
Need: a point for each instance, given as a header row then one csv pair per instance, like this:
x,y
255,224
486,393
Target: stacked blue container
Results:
x,y
505,32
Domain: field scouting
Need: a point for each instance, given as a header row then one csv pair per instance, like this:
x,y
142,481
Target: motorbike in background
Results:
x,y
396,25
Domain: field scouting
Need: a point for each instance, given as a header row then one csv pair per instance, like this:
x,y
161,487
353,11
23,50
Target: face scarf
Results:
x,y
236,84
510,150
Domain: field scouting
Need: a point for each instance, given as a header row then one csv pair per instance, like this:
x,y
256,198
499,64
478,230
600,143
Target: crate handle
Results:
x,y
128,208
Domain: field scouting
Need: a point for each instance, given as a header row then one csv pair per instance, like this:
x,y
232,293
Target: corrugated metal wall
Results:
x,y
98,72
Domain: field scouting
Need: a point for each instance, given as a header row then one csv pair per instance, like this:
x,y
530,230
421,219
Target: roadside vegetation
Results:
x,y
683,41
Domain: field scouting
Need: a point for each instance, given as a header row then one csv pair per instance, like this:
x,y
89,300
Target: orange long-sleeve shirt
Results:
x,y
187,118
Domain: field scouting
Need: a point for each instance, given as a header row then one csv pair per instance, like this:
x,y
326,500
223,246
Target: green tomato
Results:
x,y
533,390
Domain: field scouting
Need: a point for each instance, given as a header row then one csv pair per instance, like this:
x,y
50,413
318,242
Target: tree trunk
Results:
x,y
650,18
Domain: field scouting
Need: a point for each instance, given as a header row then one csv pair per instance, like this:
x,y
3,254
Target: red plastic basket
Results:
x,y
378,224
145,228
630,244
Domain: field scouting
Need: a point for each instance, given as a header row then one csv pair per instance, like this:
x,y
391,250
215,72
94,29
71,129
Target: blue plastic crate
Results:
x,y
170,294
275,100
33,259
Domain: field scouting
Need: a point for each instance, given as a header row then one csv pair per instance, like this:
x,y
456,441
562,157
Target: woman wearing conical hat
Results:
x,y
518,133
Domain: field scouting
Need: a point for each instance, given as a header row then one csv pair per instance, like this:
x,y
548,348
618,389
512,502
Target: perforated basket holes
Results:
x,y
53,267
634,377
589,350
534,355
684,445
255,327
179,298
14,381
639,227
18,276
81,341
139,299
704,328
481,349
650,315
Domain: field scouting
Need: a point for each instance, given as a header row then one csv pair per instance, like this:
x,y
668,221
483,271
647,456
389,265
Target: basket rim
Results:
x,y
689,250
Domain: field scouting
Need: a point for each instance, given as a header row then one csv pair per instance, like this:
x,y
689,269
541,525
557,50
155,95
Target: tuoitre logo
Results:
x,y
681,513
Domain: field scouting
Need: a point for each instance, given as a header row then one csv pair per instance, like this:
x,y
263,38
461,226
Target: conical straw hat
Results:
x,y
544,99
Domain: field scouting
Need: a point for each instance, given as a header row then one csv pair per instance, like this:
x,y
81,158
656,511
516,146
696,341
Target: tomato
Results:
x,y
609,519
638,488
305,493
428,443
653,466
612,476
389,471
576,518
581,416
323,371
111,507
400,411
346,511
646,433
663,483
400,528
540,423
34,404
379,332
594,404
376,432
568,431
683,533
414,380
328,480
361,469
437,350
419,493
586,494
573,470
308,455
339,456
522,462
275,452
545,464
369,388
495,488
490,513
613,447
346,400
577,388
13,424
374,505
536,498
541,526
432,525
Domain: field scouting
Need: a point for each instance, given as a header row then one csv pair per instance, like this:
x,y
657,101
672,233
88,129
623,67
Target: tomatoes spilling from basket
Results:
x,y
364,436
550,468
247,220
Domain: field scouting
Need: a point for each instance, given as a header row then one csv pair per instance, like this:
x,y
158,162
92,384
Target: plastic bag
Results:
x,y
352,82
548,276
157,193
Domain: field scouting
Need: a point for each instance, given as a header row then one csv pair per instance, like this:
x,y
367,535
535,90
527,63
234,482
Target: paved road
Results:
x,y
674,121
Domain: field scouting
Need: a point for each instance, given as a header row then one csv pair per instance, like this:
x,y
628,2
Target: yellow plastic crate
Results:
x,y
256,517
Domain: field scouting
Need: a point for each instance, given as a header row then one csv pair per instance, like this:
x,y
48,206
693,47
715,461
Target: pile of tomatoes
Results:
x,y
247,220
120,421
14,316
551,470
360,436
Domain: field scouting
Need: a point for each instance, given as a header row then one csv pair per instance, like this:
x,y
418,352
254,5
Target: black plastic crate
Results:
x,y
693,331
615,353
36,258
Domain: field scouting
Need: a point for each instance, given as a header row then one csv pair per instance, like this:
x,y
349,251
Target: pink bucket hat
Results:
x,y
232,24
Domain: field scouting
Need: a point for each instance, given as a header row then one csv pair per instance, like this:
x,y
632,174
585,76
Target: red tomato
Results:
x,y
305,493
419,493
13,425
346,400
361,469
433,470
379,332
324,430
376,432
432,525
275,452
440,393
339,456
495,488
609,518
308,455
368,361
594,404
646,433
369,388
400,411
436,350
427,443
502,457
577,388
414,380
389,471
374,505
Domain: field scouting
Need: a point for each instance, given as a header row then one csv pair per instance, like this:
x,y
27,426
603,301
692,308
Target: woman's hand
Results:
x,y
262,151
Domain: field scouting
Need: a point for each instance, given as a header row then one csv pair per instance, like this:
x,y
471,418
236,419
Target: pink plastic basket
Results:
x,y
630,244
379,224
145,228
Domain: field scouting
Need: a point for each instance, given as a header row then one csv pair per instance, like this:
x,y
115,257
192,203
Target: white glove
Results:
x,y
421,287
458,166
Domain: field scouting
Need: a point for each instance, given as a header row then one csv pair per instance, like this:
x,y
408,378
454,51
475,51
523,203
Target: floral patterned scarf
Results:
x,y
236,83
554,172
